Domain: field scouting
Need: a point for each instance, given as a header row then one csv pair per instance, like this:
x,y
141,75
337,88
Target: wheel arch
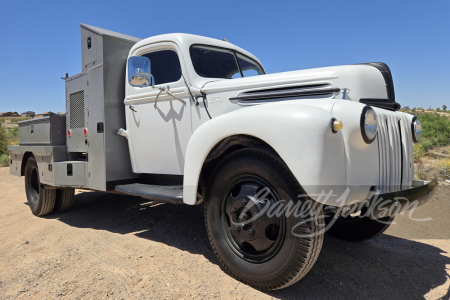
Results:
x,y
228,145
25,158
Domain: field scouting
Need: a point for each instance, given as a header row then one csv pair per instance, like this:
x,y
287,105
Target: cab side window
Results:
x,y
165,66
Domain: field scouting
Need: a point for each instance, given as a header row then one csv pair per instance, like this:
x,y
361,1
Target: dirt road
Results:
x,y
118,247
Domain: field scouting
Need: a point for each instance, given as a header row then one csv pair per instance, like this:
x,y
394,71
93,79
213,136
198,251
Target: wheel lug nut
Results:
x,y
237,228
244,201
251,232
233,210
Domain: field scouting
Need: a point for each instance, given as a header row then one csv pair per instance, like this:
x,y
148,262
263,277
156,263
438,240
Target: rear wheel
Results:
x,y
64,199
265,250
41,200
357,228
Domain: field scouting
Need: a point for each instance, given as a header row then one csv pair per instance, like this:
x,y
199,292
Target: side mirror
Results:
x,y
139,71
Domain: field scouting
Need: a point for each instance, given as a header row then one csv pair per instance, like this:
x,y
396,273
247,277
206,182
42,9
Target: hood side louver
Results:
x,y
287,92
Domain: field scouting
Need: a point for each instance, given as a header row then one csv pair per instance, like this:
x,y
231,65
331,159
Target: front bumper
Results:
x,y
389,204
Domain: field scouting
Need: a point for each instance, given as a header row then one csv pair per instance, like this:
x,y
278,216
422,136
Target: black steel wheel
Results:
x,y
252,234
41,200
261,248
357,228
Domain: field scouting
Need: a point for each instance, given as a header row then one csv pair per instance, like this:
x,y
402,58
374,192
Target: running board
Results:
x,y
172,194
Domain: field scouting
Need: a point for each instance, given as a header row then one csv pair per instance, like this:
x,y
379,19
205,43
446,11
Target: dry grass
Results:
x,y
431,163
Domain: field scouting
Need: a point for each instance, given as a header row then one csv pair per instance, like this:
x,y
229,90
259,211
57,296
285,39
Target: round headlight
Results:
x,y
369,124
416,129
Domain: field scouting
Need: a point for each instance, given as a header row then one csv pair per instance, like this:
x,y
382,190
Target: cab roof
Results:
x,y
185,41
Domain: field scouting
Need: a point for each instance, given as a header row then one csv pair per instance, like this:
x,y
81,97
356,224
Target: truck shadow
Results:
x,y
386,267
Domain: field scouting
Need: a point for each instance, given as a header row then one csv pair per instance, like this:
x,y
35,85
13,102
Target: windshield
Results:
x,y
214,62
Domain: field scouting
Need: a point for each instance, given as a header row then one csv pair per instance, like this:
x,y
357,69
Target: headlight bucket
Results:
x,y
416,129
369,124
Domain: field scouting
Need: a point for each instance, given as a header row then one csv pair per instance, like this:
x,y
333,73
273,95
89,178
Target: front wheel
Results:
x,y
41,200
254,243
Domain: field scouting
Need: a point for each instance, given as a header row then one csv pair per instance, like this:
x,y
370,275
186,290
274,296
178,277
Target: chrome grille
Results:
x,y
77,110
395,151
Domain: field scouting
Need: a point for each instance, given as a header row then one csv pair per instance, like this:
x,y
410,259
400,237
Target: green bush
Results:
x,y
435,130
4,160
13,136
3,141
427,144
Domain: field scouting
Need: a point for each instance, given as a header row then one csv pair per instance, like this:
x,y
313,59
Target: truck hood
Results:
x,y
365,83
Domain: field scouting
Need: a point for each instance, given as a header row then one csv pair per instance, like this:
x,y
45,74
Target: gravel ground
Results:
x,y
116,247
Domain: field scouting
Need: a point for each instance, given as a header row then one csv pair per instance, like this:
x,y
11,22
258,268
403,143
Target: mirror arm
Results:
x,y
181,100
162,89
157,96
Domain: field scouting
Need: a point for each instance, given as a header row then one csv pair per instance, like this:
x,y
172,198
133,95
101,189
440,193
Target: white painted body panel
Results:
x,y
158,136
176,138
299,133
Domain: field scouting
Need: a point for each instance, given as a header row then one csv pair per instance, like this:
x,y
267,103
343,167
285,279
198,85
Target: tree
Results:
x,y
444,107
406,108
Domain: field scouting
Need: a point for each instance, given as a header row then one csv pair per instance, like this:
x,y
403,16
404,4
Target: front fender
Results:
x,y
300,134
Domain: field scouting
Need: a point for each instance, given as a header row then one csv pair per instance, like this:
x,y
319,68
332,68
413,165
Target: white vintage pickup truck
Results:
x,y
277,159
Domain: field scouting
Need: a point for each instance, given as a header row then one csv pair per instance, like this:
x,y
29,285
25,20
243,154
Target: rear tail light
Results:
x,y
69,133
85,132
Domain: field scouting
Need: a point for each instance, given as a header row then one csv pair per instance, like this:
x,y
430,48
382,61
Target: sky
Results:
x,y
40,40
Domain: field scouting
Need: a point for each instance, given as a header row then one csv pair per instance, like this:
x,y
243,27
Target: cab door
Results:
x,y
158,136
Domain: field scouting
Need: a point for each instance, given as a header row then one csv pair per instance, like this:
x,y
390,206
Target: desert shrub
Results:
x,y
427,144
444,167
13,120
13,136
435,130
3,141
4,160
7,137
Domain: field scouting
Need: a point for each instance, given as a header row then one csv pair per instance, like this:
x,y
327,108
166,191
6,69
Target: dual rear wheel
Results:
x,y
41,199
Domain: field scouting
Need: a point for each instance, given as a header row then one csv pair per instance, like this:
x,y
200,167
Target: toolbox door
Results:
x,y
96,131
77,112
